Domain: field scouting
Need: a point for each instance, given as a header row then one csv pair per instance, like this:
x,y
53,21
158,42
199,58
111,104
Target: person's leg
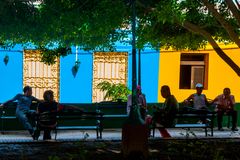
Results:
x,y
164,133
143,113
148,121
47,134
32,117
219,119
21,115
234,119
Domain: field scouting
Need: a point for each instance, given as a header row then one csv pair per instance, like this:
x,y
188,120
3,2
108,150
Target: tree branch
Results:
x,y
232,7
237,3
223,22
196,29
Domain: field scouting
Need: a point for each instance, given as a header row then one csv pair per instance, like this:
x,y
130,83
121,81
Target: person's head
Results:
x,y
27,90
165,91
139,90
226,92
199,88
48,96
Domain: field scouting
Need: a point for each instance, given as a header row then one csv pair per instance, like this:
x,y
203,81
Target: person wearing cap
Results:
x,y
141,100
225,104
199,101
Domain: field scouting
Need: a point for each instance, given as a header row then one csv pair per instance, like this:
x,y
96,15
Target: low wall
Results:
x,y
108,108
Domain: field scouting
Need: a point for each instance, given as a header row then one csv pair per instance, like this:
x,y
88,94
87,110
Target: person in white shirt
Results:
x,y
199,101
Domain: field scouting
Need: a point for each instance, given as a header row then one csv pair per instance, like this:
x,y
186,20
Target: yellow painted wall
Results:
x,y
220,75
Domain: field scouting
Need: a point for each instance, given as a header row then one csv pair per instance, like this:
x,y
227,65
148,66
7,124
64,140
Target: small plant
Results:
x,y
114,92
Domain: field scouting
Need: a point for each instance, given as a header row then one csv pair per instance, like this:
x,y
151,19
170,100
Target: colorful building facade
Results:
x,y
21,71
181,70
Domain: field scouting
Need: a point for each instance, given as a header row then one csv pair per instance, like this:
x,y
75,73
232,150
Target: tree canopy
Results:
x,y
97,24
191,24
55,25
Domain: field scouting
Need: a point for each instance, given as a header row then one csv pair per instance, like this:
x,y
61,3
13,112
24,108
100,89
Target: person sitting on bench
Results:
x,y
165,116
23,112
225,104
50,106
200,102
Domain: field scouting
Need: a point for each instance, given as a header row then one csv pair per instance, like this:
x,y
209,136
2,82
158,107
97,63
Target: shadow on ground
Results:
x,y
164,149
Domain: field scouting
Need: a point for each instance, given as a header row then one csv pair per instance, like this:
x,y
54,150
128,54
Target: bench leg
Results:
x,y
206,131
55,133
229,120
97,133
153,131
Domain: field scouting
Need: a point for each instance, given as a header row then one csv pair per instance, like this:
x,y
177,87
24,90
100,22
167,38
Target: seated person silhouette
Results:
x,y
199,102
225,104
48,111
165,116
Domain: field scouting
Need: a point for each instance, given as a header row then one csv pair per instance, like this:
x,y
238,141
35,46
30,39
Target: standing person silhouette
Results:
x,y
141,100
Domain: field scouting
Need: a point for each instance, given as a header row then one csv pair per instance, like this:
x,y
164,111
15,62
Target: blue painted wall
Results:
x,y
78,89
11,78
149,73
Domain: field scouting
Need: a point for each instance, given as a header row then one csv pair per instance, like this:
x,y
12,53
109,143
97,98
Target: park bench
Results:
x,y
93,121
186,124
96,119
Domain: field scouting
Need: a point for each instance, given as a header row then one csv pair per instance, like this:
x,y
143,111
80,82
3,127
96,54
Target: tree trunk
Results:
x,y
234,10
194,28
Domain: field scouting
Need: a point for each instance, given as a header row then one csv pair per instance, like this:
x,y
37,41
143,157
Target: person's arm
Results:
x,y
68,107
188,99
143,101
36,99
129,104
232,102
206,101
214,100
11,100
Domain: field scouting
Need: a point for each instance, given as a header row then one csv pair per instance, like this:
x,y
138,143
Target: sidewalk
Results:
x,y
113,134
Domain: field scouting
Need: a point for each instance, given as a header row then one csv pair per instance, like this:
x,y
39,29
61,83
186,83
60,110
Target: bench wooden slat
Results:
x,y
191,125
116,116
8,117
76,127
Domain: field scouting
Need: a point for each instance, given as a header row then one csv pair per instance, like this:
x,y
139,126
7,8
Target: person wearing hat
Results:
x,y
199,101
225,104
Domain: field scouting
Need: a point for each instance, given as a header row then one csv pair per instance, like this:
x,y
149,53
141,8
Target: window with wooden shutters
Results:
x,y
193,70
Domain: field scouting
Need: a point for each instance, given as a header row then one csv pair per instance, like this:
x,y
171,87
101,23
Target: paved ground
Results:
x,y
113,134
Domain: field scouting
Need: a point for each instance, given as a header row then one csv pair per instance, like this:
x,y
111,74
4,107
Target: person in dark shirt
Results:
x,y
51,107
165,116
23,112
